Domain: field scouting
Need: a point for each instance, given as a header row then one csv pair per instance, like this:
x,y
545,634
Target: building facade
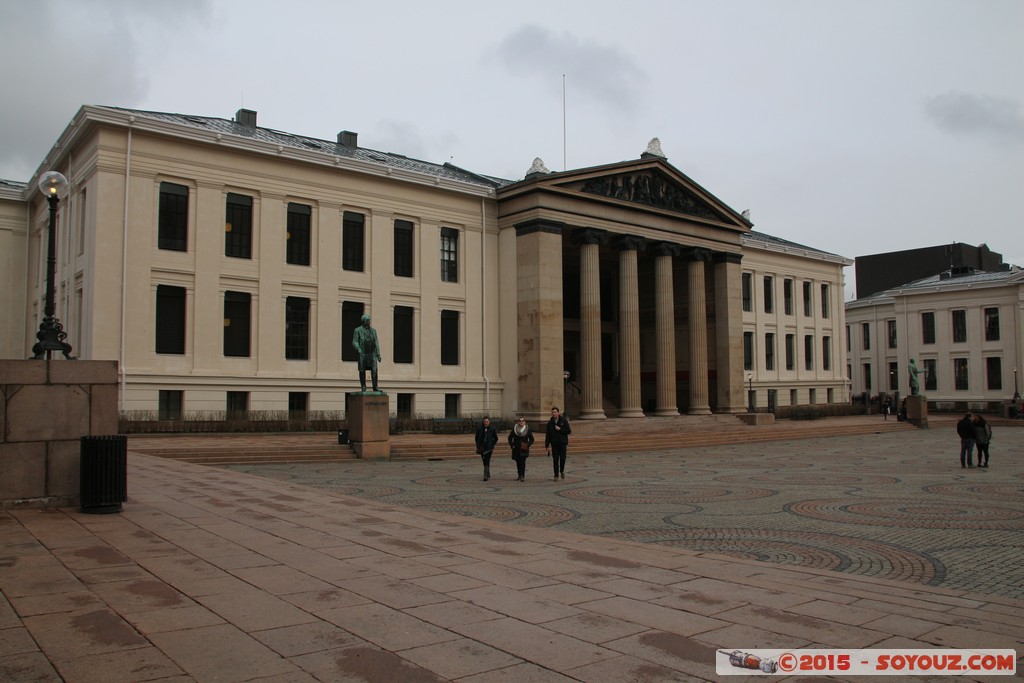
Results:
x,y
225,266
962,328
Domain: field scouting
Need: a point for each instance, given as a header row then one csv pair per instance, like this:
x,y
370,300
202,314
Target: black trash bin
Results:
x,y
103,473
342,437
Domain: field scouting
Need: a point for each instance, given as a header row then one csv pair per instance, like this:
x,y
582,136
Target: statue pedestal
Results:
x,y
368,425
917,411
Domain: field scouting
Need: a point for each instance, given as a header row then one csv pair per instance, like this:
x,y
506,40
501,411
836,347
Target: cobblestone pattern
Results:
x,y
891,505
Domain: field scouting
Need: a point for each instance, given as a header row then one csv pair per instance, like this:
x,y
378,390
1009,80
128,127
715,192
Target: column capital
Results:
x,y
590,236
629,243
539,225
666,248
726,257
697,254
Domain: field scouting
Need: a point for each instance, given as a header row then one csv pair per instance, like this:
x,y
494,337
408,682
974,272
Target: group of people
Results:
x,y
521,438
973,431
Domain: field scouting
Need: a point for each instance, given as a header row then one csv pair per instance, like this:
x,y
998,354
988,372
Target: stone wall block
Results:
x,y
23,372
63,468
22,470
103,417
47,413
83,372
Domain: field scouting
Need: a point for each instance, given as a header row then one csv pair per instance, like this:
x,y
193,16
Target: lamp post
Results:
x,y
750,392
51,334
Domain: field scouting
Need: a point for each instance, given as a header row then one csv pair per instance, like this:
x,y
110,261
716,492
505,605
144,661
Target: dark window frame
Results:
x,y
961,374
403,350
769,351
931,374
748,350
994,373
404,247
790,351
171,302
787,296
808,352
353,241
449,255
449,337
237,324
958,323
991,315
891,333
825,310
172,217
928,327
169,404
296,328
769,294
238,211
748,292
808,299
351,318
298,240
826,353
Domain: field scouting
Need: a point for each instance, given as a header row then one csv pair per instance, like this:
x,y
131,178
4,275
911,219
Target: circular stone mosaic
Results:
x,y
810,478
800,548
350,489
1008,492
911,514
535,514
671,495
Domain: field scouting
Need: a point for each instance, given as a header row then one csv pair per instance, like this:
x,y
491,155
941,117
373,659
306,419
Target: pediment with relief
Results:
x,y
652,188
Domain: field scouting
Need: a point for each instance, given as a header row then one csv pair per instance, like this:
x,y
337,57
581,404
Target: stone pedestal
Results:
x,y
368,425
917,411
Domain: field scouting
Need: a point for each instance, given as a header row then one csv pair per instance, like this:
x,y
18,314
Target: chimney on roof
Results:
x,y
246,117
347,138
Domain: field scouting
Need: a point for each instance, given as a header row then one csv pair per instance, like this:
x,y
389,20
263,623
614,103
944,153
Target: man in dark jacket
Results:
x,y
486,440
556,441
965,429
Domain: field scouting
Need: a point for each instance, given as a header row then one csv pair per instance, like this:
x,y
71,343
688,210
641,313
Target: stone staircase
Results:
x,y
614,435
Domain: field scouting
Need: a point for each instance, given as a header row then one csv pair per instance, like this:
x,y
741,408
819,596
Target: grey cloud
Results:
x,y
69,54
997,118
598,71
405,137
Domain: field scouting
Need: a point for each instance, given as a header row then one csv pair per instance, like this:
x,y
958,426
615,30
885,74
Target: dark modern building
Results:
x,y
878,272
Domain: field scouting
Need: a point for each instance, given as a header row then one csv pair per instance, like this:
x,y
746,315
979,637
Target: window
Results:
x,y
790,350
960,382
449,255
769,351
237,312
769,304
83,215
848,338
867,377
928,327
169,405
298,405
812,396
237,405
299,219
787,296
959,327
824,301
826,353
992,324
792,397
748,350
172,218
403,248
890,329
865,329
894,376
402,352
449,337
296,328
994,373
830,395
808,302
170,319
351,318
748,292
931,375
808,352
238,226
451,405
352,230
404,405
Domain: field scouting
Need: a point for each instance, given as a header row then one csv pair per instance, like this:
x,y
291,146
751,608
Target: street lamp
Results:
x,y
51,334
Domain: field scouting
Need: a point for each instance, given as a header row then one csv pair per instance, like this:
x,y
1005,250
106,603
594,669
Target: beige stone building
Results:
x,y
225,265
962,328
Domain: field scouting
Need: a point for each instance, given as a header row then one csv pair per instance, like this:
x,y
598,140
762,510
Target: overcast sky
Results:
x,y
853,126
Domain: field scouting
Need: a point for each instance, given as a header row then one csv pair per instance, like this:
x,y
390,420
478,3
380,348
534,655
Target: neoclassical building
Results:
x,y
225,266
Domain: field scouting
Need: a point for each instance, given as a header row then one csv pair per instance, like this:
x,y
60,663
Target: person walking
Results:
x,y
486,440
965,429
556,441
520,439
982,436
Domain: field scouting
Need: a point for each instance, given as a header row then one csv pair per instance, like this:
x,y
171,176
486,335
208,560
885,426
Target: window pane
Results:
x,y
238,226
824,301
928,328
237,405
298,238
296,328
403,347
991,324
790,350
449,255
960,374
747,292
170,319
769,351
173,217
807,299
890,326
352,241
298,404
787,296
931,376
959,326
826,353
867,377
351,318
169,405
994,373
894,373
808,352
748,350
769,304
866,333
403,248
236,323
449,338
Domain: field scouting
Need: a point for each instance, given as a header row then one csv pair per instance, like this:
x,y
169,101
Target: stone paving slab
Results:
x,y
414,593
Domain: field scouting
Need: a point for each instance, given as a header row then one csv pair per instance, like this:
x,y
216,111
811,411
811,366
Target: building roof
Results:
x,y
327,147
760,240
945,282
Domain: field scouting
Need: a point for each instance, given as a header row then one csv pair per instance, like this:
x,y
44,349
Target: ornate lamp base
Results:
x,y
51,336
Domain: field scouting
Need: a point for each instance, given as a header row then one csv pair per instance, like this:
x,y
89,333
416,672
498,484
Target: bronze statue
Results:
x,y
364,339
915,384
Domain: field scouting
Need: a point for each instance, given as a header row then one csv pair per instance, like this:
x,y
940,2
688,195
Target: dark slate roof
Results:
x,y
12,185
770,240
945,281
328,147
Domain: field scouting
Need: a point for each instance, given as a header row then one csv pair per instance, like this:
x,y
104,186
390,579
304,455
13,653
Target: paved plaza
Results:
x,y
636,567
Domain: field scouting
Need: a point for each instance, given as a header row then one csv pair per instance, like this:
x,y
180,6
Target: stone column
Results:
x,y
590,323
629,327
698,333
539,317
729,333
665,329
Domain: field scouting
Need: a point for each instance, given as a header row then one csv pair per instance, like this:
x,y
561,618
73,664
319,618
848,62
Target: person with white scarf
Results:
x,y
520,439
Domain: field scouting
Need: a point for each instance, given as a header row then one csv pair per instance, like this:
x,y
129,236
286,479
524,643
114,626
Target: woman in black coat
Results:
x,y
520,438
486,440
